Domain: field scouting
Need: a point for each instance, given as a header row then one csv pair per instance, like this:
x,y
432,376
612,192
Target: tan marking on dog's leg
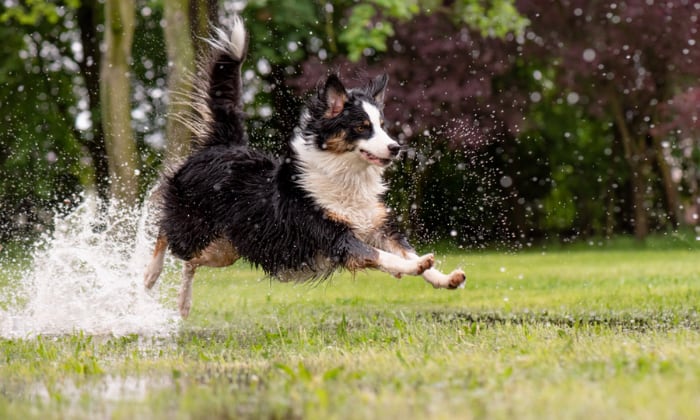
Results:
x,y
219,253
355,263
155,267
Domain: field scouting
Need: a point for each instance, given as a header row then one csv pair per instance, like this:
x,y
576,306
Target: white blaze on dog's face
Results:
x,y
379,149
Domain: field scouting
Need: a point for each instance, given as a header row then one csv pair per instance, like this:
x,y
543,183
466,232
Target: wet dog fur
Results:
x,y
300,217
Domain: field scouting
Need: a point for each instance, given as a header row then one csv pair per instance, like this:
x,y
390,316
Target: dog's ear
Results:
x,y
377,87
335,95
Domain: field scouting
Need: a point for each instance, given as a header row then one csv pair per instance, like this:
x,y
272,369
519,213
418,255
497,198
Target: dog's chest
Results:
x,y
356,204
363,217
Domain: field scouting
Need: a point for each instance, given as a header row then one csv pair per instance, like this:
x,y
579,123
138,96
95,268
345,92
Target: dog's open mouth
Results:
x,y
374,159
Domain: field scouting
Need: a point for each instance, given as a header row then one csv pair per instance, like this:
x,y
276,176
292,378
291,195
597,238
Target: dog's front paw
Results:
x,y
457,280
424,263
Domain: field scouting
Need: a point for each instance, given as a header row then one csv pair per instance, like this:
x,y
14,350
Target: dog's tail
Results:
x,y
218,107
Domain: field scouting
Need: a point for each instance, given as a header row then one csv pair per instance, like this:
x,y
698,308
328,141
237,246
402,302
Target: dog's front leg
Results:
x,y
453,280
355,254
397,266
395,243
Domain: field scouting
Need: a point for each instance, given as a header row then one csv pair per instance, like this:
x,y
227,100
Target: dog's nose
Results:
x,y
394,149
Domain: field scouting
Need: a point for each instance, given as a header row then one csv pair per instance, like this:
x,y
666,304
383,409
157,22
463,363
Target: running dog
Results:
x,y
300,217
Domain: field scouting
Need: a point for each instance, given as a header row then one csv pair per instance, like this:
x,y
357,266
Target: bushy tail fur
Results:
x,y
219,108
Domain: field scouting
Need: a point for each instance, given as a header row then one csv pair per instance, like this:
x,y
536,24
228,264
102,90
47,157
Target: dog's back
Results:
x,y
187,194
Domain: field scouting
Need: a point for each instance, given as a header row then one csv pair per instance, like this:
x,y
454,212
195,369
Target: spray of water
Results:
x,y
87,276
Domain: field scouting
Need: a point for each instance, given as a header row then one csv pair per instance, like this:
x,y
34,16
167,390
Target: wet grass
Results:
x,y
591,333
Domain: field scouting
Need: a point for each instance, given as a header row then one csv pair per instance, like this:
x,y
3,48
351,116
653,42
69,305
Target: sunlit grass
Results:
x,y
595,333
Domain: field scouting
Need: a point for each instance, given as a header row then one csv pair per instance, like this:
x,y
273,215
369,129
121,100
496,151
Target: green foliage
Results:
x,y
575,149
40,160
493,18
442,194
31,12
43,161
276,25
370,24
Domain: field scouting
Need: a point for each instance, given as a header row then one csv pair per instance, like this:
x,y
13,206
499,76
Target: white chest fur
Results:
x,y
344,185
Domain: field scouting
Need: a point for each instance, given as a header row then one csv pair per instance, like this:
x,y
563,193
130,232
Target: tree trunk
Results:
x,y
639,186
182,49
670,188
116,100
90,70
636,160
181,64
203,15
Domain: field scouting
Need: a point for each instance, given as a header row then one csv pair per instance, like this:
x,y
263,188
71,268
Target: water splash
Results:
x,y
87,276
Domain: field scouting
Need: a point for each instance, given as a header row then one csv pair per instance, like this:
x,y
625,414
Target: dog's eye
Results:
x,y
360,129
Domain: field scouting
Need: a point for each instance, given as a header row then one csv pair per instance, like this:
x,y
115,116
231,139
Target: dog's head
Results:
x,y
350,122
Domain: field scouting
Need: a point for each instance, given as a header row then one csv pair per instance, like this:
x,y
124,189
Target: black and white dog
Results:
x,y
300,217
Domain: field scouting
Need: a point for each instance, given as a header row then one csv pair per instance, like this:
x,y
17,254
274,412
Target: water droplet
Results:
x,y
589,54
506,181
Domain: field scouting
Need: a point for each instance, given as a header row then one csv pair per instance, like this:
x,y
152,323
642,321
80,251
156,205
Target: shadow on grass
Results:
x,y
623,321
380,325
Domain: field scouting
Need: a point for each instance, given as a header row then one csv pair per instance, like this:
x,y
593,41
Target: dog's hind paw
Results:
x,y
149,279
185,310
184,304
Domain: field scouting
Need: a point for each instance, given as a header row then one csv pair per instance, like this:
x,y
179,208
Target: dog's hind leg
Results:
x,y
219,253
156,265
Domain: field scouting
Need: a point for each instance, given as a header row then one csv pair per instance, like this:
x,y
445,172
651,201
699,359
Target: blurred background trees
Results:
x,y
522,120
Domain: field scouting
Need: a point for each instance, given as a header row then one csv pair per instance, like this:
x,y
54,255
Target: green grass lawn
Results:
x,y
586,333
